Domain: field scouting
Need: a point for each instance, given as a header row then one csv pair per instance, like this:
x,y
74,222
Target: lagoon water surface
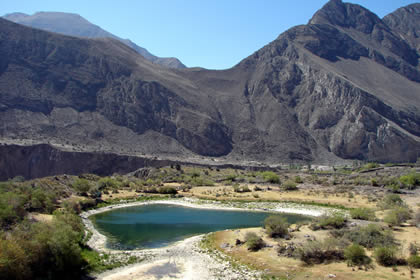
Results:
x,y
158,225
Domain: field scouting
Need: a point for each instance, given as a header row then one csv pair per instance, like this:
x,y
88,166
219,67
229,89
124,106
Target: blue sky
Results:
x,y
214,34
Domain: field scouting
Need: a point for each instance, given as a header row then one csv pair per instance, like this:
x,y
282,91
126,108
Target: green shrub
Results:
x,y
394,187
335,220
386,256
290,186
240,189
374,182
14,262
43,250
86,204
42,201
231,177
410,181
167,190
276,226
316,252
12,208
108,182
363,214
298,180
370,236
200,181
356,256
81,185
254,242
414,261
271,177
391,201
397,216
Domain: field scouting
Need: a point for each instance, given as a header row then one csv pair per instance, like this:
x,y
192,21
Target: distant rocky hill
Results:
x,y
344,86
75,25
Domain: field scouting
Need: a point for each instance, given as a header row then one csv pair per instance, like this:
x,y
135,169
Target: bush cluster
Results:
x,y
356,256
414,261
271,177
391,201
370,236
276,226
17,200
290,186
397,216
254,242
316,252
410,181
363,214
43,250
387,256
332,221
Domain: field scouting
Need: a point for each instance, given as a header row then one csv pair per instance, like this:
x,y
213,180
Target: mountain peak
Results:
x,y
346,15
75,25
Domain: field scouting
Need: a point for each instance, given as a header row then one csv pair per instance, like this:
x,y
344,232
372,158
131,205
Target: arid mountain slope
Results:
x,y
405,22
75,25
344,86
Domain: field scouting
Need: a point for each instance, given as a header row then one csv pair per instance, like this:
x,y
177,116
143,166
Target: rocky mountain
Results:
x,y
405,22
344,86
75,25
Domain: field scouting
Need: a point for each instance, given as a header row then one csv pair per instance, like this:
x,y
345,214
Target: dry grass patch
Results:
x,y
224,192
268,260
122,194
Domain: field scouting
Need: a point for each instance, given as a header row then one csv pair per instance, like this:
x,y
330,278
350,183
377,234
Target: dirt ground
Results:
x,y
268,260
305,193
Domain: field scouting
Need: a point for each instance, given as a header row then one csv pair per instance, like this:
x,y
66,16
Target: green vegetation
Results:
x,y
369,236
298,180
276,226
289,186
397,216
370,165
363,214
414,261
391,201
240,189
167,190
81,185
356,256
332,221
316,252
271,177
108,183
410,181
254,242
386,256
43,250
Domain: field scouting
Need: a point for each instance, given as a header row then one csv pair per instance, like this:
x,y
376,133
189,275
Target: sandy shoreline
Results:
x,y
184,259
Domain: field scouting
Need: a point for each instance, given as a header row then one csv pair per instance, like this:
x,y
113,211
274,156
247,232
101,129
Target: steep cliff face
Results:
x,y
43,160
344,86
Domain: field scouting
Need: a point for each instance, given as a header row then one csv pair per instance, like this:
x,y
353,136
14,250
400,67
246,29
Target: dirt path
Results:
x,y
183,260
